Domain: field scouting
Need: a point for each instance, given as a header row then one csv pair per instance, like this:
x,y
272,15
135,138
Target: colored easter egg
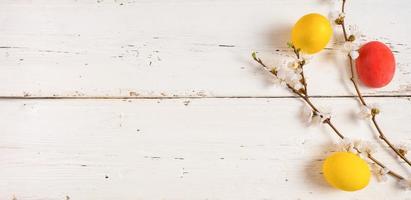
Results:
x,y
375,64
311,33
346,171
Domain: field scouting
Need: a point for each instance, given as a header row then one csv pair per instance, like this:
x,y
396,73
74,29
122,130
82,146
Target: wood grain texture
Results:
x,y
174,149
159,99
178,48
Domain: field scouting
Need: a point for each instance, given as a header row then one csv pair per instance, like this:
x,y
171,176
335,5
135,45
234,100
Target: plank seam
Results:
x,y
191,97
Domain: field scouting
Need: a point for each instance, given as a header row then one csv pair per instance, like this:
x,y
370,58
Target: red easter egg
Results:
x,y
375,64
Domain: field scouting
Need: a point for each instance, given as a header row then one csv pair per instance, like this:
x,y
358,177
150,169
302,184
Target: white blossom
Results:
x,y
346,145
351,48
380,172
313,117
290,75
367,148
324,116
293,76
364,148
307,114
320,117
303,58
359,147
294,65
316,119
354,54
298,85
405,184
366,111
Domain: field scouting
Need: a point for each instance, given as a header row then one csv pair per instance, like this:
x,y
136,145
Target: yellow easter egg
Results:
x,y
346,171
311,33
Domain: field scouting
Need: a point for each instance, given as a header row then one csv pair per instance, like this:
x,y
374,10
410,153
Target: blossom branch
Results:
x,y
390,172
374,111
305,97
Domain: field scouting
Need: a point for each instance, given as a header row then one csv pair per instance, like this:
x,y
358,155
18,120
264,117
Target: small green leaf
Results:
x,y
254,55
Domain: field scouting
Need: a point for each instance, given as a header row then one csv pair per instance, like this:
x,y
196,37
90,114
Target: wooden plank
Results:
x,y
178,149
177,48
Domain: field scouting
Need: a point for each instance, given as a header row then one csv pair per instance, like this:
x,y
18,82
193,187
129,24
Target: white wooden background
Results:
x,y
159,99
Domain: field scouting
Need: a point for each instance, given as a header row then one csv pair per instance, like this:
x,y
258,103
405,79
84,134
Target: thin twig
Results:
x,y
327,121
361,99
303,81
353,80
399,177
382,137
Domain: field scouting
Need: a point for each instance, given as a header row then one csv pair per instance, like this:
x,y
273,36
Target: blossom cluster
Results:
x,y
363,149
312,117
289,75
352,44
360,147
